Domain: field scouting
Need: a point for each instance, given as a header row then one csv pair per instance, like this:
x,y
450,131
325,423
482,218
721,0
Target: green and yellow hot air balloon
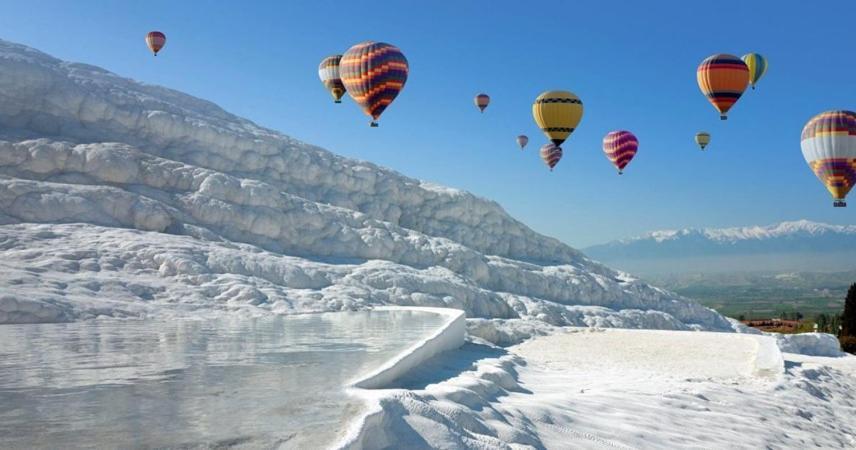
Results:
x,y
702,138
757,65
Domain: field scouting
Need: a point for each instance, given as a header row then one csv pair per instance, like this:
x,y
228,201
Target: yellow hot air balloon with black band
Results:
x,y
702,138
557,113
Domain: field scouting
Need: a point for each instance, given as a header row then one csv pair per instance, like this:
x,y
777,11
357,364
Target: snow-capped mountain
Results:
x,y
124,199
797,245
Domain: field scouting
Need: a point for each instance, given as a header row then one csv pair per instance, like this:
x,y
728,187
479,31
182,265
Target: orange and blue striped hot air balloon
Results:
x,y
722,79
620,147
481,101
551,154
155,40
373,73
829,147
328,71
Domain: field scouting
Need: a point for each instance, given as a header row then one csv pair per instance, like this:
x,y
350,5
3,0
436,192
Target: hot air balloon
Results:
x,y
702,138
620,147
155,40
481,101
551,154
829,147
557,113
757,65
722,79
522,140
328,71
373,73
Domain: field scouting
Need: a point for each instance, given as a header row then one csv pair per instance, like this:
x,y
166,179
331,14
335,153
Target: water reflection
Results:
x,y
245,382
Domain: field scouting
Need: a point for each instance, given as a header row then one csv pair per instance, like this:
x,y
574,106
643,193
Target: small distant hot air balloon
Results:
x,y
757,65
557,113
328,71
551,154
481,101
702,138
722,79
620,147
829,147
522,140
373,73
155,40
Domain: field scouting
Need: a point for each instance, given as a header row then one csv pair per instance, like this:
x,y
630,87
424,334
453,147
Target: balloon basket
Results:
x,y
373,124
337,101
723,117
839,204
620,172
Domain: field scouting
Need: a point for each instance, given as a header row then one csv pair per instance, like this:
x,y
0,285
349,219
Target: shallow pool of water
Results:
x,y
268,382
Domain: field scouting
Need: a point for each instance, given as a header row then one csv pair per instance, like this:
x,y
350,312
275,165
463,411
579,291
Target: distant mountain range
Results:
x,y
788,246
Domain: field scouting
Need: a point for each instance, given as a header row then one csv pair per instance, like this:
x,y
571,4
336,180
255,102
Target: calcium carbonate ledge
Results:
x,y
448,336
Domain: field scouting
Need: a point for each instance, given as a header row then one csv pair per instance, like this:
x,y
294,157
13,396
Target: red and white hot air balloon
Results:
x,y
551,154
155,40
620,147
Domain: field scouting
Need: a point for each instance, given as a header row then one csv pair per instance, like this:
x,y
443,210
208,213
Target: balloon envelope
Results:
x,y
557,113
722,79
829,147
551,154
702,139
373,74
481,101
155,40
620,147
757,65
328,71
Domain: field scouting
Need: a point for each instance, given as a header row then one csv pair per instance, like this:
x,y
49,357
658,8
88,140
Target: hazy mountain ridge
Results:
x,y
798,246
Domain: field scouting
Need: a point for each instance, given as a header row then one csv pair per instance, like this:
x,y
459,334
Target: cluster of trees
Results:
x,y
828,323
848,322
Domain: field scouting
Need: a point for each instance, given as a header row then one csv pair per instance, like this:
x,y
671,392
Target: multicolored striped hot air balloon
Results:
x,y
620,147
551,154
722,79
557,113
757,65
328,71
481,101
522,140
829,147
155,40
373,73
702,138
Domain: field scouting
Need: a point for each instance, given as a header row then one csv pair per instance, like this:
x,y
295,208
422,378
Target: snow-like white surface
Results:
x,y
812,344
124,199
623,389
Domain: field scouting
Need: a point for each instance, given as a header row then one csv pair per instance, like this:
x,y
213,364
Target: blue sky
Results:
x,y
631,62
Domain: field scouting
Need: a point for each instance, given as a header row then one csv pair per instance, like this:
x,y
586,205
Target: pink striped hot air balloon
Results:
x,y
620,147
155,40
551,154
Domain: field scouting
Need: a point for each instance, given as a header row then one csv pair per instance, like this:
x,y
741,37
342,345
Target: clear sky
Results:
x,y
631,62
